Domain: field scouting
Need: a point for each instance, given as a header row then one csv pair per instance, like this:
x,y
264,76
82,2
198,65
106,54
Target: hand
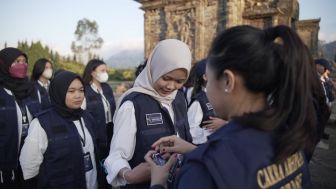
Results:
x,y
159,174
139,174
173,144
214,123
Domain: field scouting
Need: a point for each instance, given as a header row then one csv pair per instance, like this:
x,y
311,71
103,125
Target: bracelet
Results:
x,y
124,172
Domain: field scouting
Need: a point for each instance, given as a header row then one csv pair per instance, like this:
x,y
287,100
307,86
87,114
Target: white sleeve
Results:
x,y
122,144
34,147
195,115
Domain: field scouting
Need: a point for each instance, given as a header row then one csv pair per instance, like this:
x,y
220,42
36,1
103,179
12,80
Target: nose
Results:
x,y
78,94
171,85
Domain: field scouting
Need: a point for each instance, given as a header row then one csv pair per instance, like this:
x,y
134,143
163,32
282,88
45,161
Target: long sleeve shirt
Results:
x,y
123,142
36,144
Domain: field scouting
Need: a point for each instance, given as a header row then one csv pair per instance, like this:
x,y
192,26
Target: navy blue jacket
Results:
x,y
237,157
94,105
9,128
154,122
45,99
205,105
63,162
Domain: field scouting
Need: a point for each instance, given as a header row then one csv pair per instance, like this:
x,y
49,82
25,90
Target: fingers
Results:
x,y
166,149
166,139
172,160
148,157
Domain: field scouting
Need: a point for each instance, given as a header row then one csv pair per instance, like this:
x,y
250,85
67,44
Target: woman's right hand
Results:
x,y
173,144
159,174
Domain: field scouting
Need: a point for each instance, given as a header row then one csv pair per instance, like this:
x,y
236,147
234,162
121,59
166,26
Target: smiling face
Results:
x,y
75,95
170,82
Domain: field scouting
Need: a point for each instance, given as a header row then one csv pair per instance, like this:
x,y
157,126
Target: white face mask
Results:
x,y
102,77
47,73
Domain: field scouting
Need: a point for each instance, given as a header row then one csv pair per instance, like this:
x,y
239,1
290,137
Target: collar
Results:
x,y
8,91
42,84
94,87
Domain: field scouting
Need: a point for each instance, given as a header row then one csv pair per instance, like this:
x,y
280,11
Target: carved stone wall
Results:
x,y
197,22
308,31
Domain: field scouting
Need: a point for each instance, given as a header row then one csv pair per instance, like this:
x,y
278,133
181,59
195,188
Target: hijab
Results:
x,y
168,55
21,88
58,90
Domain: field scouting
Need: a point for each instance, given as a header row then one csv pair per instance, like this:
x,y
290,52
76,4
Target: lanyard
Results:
x,y
82,127
108,116
23,112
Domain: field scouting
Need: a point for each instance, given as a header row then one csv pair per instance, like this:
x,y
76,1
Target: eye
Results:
x,y
180,81
165,78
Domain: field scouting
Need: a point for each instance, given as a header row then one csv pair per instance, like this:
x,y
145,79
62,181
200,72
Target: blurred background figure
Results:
x,y
99,101
41,75
201,115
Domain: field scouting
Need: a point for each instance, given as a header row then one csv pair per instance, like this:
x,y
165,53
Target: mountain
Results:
x,y
329,50
129,58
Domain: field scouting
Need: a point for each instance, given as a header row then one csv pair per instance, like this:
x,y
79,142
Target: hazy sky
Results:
x,y
120,22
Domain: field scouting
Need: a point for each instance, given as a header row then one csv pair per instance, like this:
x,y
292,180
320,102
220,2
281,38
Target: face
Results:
x,y
20,60
320,69
216,94
48,66
75,95
170,82
100,69
18,68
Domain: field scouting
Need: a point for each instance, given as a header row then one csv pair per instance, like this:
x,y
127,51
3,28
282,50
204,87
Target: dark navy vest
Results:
x,y
45,99
205,105
153,122
237,156
63,162
94,105
9,128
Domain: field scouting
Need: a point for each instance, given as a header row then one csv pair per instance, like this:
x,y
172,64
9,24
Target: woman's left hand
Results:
x,y
159,174
214,123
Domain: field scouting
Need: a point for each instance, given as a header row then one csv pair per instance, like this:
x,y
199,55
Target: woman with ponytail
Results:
x,y
264,83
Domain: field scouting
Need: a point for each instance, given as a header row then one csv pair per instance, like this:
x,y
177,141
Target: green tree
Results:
x,y
87,39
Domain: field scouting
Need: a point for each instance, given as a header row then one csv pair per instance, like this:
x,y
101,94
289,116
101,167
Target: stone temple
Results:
x,y
197,22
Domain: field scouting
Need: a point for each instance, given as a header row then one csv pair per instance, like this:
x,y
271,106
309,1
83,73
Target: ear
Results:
x,y
229,81
205,78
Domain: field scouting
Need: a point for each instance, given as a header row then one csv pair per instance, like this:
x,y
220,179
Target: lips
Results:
x,y
78,102
166,92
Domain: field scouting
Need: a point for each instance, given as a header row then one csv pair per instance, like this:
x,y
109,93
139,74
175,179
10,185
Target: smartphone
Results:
x,y
158,159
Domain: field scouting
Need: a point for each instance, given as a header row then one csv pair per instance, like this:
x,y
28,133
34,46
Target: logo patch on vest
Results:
x,y
209,106
154,119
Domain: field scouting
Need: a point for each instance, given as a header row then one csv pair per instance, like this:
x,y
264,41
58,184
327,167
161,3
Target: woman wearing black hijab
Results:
x,y
60,149
17,107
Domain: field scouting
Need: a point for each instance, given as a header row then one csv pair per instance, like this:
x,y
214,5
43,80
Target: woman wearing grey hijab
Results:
x,y
151,109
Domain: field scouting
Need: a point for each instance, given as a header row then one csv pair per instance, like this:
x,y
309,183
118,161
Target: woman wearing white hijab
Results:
x,y
151,109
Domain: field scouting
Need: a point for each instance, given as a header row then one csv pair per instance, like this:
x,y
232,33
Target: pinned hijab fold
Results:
x,y
58,90
168,55
21,88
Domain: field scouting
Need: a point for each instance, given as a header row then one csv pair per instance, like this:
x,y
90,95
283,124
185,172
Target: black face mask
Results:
x,y
58,89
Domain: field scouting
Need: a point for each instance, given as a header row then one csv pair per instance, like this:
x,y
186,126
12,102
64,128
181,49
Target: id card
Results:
x,y
87,162
24,130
